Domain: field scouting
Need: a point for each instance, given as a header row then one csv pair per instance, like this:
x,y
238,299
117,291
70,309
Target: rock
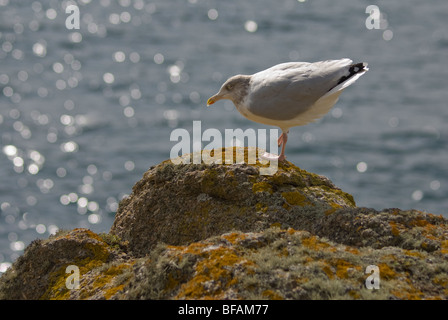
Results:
x,y
41,273
213,231
287,264
44,261
179,204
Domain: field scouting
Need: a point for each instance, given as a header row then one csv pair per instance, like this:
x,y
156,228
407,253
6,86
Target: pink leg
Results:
x,y
284,137
280,140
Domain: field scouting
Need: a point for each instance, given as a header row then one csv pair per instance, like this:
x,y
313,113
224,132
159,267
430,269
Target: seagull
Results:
x,y
290,94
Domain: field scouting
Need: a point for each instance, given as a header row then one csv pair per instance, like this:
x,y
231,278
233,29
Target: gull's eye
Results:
x,y
229,86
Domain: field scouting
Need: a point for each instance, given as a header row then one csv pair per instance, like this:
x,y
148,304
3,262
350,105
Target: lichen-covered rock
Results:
x,y
287,264
217,231
41,273
179,204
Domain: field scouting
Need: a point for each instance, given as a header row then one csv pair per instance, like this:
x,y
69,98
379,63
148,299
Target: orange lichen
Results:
x,y
315,244
395,228
444,247
343,267
408,293
194,248
419,222
441,280
283,252
104,280
234,237
327,269
354,294
271,295
352,250
413,253
214,270
386,272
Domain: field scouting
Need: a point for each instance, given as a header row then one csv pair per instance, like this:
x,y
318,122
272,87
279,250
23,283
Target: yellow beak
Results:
x,y
214,98
211,101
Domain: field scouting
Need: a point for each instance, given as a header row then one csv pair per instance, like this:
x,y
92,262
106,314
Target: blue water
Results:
x,y
84,113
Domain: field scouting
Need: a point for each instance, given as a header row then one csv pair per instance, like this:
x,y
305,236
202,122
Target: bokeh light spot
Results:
x,y
361,167
212,14
251,26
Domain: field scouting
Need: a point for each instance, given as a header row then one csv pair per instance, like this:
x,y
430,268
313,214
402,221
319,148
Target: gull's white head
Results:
x,y
234,89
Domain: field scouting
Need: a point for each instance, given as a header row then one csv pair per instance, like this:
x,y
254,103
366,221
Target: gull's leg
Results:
x,y
284,137
280,140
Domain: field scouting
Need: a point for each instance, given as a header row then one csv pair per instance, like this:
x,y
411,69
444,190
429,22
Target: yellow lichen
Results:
x,y
334,208
89,267
276,225
57,288
261,207
236,155
262,186
295,198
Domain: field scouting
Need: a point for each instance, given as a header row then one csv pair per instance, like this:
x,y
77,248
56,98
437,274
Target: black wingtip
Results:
x,y
358,67
354,69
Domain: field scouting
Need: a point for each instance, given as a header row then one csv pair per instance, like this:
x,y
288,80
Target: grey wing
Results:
x,y
287,90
